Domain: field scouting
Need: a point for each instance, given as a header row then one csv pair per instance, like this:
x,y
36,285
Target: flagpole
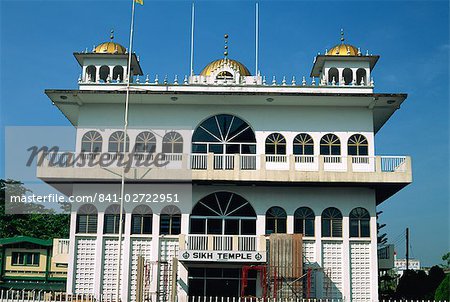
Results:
x,y
125,130
192,39
256,37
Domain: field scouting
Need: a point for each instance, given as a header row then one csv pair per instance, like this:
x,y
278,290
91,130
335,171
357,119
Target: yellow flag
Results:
x,y
141,2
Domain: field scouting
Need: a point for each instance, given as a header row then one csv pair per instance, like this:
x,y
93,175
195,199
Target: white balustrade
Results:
x,y
199,161
393,163
248,162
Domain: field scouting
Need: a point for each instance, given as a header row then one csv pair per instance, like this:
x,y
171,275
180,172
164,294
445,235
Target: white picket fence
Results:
x,y
43,296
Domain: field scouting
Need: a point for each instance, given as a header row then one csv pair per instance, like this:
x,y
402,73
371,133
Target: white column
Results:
x,y
70,287
155,253
367,76
97,74
126,264
290,224
99,257
346,276
184,223
373,259
318,252
261,225
84,76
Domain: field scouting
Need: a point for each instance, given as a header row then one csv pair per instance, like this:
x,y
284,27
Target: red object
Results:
x,y
308,283
262,277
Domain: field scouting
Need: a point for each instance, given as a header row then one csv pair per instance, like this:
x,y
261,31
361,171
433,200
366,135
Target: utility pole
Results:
x,y
407,248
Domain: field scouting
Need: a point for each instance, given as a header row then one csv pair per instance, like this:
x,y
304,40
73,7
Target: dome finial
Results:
x,y
111,36
342,36
225,53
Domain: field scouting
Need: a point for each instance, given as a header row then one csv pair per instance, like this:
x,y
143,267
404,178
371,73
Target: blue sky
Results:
x,y
412,37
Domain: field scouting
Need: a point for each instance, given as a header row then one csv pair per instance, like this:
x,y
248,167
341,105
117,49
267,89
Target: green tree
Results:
x,y
443,290
37,221
446,258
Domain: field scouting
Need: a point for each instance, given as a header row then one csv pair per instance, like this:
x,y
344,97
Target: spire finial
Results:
x,y
225,53
342,36
111,36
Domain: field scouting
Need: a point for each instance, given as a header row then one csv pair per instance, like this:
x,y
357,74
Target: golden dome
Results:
x,y
110,47
343,50
214,65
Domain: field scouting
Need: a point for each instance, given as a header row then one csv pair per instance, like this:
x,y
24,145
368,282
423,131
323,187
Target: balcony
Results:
x,y
222,248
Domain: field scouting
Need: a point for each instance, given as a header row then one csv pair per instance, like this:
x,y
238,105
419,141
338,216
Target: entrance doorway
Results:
x,y
219,282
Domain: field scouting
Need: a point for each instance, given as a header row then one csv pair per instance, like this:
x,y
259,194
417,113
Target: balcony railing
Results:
x,y
241,243
210,161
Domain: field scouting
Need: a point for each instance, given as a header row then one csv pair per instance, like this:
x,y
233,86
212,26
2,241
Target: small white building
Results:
x,y
277,181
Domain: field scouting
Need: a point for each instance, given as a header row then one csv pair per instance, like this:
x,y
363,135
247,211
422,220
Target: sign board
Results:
x,y
386,257
221,256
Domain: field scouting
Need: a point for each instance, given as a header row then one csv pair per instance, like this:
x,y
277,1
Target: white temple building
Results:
x,y
274,182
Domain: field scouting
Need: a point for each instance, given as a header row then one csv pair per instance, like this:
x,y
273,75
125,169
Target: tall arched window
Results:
x,y
224,134
172,143
104,73
347,73
91,73
304,221
331,223
359,223
141,220
223,213
275,144
333,76
145,142
358,145
118,73
87,219
170,221
116,142
112,220
303,144
361,77
91,142
276,220
330,145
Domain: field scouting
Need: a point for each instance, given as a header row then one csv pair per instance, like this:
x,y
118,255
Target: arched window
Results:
x,y
91,72
303,144
276,220
224,134
359,223
276,144
87,219
91,142
104,73
118,73
304,221
116,142
224,75
223,213
331,223
358,145
172,143
145,143
141,220
347,73
170,221
333,76
112,220
330,145
361,77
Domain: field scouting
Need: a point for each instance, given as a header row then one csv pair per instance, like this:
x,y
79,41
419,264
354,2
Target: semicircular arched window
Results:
x,y
87,217
141,220
331,223
304,221
275,144
117,141
172,143
170,221
111,219
145,142
223,213
276,219
358,145
224,75
330,145
91,142
224,134
303,144
359,223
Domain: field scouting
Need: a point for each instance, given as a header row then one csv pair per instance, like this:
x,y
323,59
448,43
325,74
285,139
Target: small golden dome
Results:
x,y
110,47
343,50
214,65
